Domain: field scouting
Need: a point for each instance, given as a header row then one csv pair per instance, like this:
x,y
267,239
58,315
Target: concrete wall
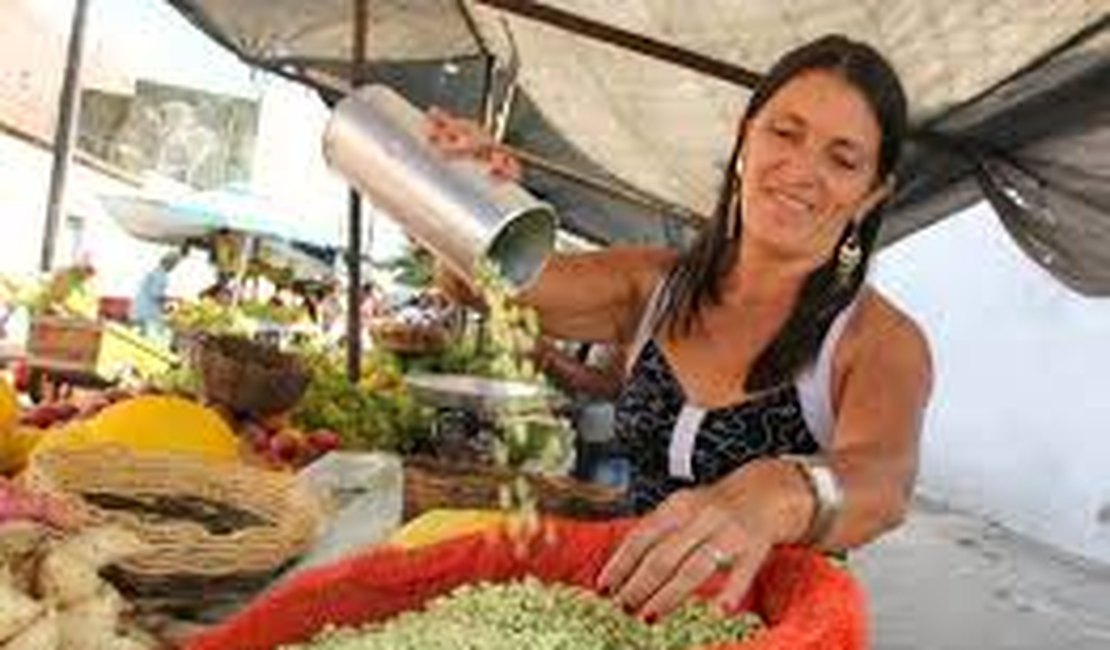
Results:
x,y
1019,426
120,259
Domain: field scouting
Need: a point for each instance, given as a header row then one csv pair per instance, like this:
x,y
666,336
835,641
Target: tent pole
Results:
x,y
651,47
354,217
64,130
354,286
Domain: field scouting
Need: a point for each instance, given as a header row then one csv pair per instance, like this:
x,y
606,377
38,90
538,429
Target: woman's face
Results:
x,y
809,157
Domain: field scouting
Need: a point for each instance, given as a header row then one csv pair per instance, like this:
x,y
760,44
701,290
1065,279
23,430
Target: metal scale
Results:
x,y
467,408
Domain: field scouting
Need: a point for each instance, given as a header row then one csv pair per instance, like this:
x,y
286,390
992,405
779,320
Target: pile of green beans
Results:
x,y
531,614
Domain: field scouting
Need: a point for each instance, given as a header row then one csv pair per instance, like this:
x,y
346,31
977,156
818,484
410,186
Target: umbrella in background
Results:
x,y
283,238
175,218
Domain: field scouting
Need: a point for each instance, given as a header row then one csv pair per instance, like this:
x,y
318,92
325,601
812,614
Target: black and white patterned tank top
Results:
x,y
672,444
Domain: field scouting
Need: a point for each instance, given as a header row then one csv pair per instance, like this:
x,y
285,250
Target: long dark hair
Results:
x,y
695,281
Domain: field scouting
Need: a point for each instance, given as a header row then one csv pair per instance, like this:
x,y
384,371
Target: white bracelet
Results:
x,y
828,498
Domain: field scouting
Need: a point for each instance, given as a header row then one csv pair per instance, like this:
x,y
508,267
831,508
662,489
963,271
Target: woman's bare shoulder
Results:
x,y
881,330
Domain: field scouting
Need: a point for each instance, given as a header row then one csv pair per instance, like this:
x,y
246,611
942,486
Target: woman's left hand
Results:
x,y
691,536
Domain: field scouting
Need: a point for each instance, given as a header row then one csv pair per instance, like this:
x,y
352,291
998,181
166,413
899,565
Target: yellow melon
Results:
x,y
153,423
16,446
438,525
9,406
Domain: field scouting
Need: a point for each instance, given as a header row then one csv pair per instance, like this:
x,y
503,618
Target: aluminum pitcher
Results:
x,y
376,140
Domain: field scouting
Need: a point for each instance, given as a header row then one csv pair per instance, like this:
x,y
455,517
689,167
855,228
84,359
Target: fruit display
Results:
x,y
57,413
21,431
376,413
530,614
282,445
9,405
213,317
206,315
151,422
64,291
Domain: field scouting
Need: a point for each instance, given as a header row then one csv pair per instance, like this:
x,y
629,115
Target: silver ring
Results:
x,y
722,561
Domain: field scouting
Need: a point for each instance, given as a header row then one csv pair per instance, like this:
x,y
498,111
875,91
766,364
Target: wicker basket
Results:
x,y
209,523
249,377
406,338
432,483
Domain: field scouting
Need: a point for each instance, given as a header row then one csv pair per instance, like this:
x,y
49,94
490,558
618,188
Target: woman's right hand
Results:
x,y
457,137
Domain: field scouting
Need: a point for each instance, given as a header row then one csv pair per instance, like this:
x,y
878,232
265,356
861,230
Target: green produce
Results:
x,y
376,413
530,614
513,329
213,317
206,315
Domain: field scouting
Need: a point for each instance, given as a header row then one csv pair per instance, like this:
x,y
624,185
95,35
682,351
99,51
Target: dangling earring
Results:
x,y
732,218
848,256
731,230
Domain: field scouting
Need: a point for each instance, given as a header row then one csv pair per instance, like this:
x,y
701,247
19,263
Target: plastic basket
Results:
x,y
807,602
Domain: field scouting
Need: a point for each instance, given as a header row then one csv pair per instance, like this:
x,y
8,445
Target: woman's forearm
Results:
x,y
875,496
877,492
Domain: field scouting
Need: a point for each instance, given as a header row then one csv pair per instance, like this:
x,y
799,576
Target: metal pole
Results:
x,y
354,218
605,33
64,130
354,286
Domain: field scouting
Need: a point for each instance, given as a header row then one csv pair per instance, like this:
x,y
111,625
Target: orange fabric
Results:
x,y
808,603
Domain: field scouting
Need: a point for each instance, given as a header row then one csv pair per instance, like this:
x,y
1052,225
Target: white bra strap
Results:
x,y
814,385
649,319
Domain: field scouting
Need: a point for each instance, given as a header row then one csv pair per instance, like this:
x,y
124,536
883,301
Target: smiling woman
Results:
x,y
772,396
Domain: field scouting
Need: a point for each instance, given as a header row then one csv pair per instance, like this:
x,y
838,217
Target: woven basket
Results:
x,y
408,338
249,377
280,516
432,483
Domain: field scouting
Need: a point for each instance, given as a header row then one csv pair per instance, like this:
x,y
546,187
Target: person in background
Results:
x,y
592,376
595,370
371,302
148,310
774,396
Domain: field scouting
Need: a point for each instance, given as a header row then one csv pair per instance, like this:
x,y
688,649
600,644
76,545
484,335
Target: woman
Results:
x,y
773,396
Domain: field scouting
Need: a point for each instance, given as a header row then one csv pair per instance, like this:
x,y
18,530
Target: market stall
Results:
x,y
273,269
469,416
70,337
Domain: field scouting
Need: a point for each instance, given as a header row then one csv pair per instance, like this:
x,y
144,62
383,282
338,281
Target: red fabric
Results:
x,y
808,603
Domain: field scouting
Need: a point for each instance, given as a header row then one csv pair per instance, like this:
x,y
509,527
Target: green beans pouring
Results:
x,y
525,440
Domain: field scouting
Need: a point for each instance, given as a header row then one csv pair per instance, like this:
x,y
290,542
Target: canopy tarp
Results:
x,y
1006,95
